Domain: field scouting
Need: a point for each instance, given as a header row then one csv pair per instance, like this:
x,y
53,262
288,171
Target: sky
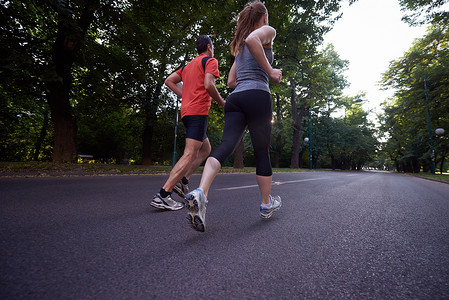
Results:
x,y
369,35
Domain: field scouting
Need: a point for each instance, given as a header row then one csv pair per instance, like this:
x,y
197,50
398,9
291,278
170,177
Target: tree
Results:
x,y
49,36
405,121
321,85
23,114
300,27
100,66
164,40
424,11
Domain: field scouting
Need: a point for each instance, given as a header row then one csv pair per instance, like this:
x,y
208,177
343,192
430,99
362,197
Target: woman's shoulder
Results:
x,y
266,34
268,29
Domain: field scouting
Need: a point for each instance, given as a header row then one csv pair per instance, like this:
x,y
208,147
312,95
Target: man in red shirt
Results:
x,y
198,78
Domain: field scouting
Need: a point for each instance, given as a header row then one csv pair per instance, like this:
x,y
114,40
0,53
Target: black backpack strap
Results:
x,y
204,61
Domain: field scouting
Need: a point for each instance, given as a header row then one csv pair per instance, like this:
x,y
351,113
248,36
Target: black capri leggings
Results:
x,y
252,108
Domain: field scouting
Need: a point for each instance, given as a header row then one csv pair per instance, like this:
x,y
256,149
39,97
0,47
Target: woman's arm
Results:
x,y
255,42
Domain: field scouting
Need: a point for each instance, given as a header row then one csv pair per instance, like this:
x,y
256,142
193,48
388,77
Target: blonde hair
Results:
x,y
247,19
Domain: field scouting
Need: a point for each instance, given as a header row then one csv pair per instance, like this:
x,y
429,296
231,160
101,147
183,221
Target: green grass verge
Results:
x,y
71,169
438,176
67,169
42,168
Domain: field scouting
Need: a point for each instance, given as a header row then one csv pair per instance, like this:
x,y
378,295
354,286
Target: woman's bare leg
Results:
x,y
211,169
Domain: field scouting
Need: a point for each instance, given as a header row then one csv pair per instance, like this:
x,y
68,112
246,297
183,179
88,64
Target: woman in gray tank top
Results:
x,y
248,105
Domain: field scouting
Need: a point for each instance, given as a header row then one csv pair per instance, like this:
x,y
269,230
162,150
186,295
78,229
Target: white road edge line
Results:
x,y
274,183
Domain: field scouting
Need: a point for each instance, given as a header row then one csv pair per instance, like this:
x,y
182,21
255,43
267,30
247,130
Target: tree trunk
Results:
x,y
150,105
398,165
297,124
238,155
343,162
58,81
333,161
147,140
301,153
40,140
442,164
278,147
65,130
277,153
416,166
64,123
296,144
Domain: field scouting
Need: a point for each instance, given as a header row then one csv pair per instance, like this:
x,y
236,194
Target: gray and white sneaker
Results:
x,y
276,204
166,203
181,189
196,202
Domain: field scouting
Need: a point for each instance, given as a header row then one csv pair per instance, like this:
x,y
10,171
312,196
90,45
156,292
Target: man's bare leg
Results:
x,y
184,164
163,200
203,153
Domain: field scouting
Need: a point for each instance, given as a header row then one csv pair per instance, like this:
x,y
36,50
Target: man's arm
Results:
x,y
232,78
209,84
172,82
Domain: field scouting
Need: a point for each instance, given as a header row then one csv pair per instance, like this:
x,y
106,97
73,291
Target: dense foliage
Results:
x,y
420,105
420,79
421,101
86,77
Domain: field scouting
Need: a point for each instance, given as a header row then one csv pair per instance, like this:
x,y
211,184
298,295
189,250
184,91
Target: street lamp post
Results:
x,y
176,135
306,139
176,128
440,132
310,140
432,150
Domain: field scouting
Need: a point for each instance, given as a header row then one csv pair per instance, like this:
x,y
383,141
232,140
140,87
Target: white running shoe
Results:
x,y
166,203
276,204
196,202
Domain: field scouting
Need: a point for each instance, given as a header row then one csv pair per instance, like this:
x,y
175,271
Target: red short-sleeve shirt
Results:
x,y
195,98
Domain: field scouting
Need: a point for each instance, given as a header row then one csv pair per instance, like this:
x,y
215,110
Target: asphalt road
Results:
x,y
339,235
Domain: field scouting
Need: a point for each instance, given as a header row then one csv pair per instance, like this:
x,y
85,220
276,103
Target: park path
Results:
x,y
339,235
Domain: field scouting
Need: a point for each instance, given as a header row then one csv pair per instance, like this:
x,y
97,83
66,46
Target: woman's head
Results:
x,y
253,15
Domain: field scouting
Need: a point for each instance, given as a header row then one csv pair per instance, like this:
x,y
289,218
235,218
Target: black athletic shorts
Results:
x,y
196,127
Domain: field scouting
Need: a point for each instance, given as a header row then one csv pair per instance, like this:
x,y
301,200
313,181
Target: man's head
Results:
x,y
203,44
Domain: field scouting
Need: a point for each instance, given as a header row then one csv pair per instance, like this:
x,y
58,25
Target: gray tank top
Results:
x,y
250,76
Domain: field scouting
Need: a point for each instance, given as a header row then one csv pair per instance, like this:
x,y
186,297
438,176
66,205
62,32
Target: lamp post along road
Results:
x,y
440,132
176,128
432,150
306,139
310,140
